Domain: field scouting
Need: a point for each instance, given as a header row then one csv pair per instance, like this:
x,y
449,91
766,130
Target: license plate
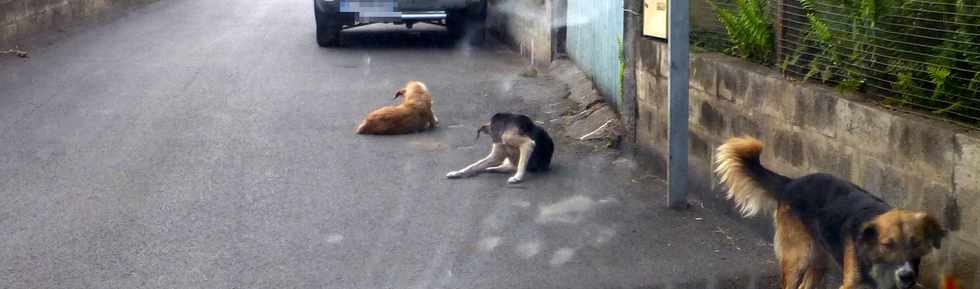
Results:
x,y
368,6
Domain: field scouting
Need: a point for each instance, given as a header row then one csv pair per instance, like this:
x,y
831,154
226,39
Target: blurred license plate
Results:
x,y
368,6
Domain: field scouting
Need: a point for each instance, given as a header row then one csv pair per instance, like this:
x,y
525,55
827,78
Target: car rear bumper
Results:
x,y
401,16
387,11
357,12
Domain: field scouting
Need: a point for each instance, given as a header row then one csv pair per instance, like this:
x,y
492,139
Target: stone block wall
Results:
x,y
21,19
910,161
524,24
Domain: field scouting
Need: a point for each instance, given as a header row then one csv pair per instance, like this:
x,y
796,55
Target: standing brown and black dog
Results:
x,y
819,217
412,115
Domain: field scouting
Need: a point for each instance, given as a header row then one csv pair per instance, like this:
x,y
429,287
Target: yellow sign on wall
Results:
x,y
655,18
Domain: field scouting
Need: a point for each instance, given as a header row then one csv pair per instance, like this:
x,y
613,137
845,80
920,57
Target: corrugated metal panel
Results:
x,y
594,37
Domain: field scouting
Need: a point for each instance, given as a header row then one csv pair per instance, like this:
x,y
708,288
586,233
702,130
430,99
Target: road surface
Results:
x,y
209,144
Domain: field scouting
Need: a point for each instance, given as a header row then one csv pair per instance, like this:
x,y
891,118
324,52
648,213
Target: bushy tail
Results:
x,y
751,186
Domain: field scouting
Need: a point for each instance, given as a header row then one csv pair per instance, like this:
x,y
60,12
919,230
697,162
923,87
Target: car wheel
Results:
x,y
327,28
468,23
456,23
476,22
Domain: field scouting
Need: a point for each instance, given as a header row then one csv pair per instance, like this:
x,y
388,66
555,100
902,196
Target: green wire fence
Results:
x,y
921,56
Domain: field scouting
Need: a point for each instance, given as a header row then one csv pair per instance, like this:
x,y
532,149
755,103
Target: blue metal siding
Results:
x,y
595,29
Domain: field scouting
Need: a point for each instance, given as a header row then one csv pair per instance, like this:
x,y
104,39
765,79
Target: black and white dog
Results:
x,y
516,140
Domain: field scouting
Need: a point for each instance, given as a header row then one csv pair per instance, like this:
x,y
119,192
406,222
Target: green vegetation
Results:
x,y
920,54
749,29
622,66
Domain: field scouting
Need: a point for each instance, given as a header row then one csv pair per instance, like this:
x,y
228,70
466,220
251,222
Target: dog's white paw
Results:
x,y
514,179
454,175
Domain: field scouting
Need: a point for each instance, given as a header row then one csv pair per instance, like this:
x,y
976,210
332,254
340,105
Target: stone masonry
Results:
x,y
526,25
21,19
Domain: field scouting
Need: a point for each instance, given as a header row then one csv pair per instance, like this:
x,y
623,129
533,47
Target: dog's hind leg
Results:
x,y
495,157
506,167
813,277
798,253
360,129
433,120
526,146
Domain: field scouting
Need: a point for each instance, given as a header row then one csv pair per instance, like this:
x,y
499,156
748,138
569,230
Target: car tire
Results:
x,y
456,23
327,28
468,22
476,22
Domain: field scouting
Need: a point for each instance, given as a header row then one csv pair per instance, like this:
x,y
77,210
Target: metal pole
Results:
x,y
678,31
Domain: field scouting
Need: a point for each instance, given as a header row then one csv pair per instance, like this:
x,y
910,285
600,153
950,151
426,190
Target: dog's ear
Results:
x,y
400,92
868,234
933,232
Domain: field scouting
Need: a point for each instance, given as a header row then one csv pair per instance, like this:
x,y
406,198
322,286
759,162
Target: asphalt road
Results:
x,y
209,144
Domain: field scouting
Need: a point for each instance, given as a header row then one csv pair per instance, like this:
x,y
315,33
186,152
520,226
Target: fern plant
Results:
x,y
948,81
922,54
749,28
842,38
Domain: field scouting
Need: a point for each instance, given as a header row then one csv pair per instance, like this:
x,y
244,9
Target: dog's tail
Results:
x,y
484,129
751,186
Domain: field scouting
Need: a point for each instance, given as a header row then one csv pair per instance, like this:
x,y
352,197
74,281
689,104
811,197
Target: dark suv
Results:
x,y
459,16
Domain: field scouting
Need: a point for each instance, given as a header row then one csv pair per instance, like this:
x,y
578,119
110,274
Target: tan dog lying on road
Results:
x,y
412,115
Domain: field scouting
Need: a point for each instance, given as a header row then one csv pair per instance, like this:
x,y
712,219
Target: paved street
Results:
x,y
209,144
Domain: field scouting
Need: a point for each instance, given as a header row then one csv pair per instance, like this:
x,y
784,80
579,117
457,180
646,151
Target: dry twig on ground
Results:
x,y
731,240
15,52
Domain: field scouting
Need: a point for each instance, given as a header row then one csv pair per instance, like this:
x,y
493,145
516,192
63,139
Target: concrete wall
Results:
x,y
525,24
909,161
21,19
588,32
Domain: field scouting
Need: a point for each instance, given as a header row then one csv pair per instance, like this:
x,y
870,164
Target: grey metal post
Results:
x,y
677,103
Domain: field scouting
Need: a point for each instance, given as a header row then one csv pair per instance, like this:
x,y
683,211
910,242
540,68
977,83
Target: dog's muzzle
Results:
x,y
905,276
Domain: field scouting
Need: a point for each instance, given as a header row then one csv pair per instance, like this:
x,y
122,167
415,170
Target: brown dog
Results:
x,y
412,115
820,218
